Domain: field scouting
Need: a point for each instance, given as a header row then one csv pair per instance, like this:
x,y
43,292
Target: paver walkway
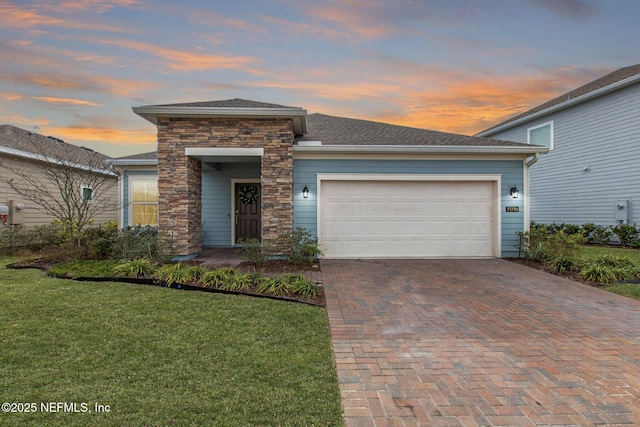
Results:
x,y
479,342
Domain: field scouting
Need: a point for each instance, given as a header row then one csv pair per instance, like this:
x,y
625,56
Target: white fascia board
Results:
x,y
422,149
133,162
223,152
566,104
299,115
41,158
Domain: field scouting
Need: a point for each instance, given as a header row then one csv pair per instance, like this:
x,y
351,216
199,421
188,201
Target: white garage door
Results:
x,y
369,219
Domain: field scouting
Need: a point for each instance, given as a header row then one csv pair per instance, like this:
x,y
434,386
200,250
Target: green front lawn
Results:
x,y
593,252
159,356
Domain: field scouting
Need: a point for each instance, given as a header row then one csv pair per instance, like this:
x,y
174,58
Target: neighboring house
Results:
x,y
591,173
24,151
237,169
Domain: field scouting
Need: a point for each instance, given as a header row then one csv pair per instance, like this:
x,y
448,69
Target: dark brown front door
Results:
x,y
247,211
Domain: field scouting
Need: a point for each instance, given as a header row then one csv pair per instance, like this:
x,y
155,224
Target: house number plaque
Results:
x,y
513,209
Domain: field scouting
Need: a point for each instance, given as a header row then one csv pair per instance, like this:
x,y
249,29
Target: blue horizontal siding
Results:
x,y
603,135
216,200
306,171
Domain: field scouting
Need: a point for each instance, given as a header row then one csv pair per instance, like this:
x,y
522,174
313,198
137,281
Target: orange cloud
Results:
x,y
180,60
10,96
103,134
14,16
91,83
98,6
52,100
471,106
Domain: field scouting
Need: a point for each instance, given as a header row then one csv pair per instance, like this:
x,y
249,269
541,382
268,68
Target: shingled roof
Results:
x,y
33,144
226,103
609,79
331,130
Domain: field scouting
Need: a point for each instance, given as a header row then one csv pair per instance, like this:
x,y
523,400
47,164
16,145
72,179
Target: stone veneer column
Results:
x,y
179,178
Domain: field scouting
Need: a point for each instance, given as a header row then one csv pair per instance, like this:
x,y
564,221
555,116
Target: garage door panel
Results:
x,y
407,218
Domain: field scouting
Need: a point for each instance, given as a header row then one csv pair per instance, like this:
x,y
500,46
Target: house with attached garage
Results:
x,y
590,174
236,169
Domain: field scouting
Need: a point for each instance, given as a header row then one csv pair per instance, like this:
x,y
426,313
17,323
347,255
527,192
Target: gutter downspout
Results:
x,y
527,215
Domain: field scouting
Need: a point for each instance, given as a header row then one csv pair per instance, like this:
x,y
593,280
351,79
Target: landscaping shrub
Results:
x,y
274,286
297,246
137,269
19,237
543,245
601,235
606,269
142,242
561,264
178,274
627,234
227,279
252,250
300,285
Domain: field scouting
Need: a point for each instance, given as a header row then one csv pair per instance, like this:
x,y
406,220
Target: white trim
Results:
x,y
566,104
121,201
133,162
82,188
233,203
422,149
391,156
525,198
551,133
497,201
298,115
223,152
140,177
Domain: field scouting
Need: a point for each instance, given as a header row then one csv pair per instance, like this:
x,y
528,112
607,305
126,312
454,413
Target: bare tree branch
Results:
x,y
56,186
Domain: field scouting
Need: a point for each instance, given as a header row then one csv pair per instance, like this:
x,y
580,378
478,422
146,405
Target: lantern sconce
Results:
x,y
305,192
514,192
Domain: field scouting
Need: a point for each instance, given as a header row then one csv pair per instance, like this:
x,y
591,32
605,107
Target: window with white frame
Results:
x,y
541,134
86,193
143,200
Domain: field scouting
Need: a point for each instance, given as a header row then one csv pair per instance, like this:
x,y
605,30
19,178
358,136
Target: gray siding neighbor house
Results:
x,y
27,154
591,173
236,169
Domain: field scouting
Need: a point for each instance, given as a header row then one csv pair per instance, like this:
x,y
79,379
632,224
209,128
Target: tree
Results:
x,y
67,182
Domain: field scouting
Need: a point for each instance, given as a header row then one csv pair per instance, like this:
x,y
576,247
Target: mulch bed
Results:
x,y
272,269
571,275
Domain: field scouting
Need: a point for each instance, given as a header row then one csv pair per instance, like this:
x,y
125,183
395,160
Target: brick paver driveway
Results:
x,y
479,342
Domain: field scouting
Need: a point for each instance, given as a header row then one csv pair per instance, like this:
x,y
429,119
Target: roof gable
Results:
x,y
566,98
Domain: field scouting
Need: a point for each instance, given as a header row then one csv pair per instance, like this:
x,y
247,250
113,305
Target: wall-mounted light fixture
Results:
x,y
305,192
514,192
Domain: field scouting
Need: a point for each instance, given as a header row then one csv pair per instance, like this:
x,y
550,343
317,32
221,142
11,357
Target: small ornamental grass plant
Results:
x,y
138,268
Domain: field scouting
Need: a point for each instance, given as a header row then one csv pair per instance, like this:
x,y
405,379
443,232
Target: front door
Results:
x,y
248,222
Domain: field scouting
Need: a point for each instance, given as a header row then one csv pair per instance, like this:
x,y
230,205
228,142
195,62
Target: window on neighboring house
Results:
x,y
87,193
143,198
541,135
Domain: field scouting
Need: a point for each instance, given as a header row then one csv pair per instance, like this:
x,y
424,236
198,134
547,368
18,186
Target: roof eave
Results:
x,y
134,162
298,115
423,149
566,104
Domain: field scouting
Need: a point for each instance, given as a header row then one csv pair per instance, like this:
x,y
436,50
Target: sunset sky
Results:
x,y
74,69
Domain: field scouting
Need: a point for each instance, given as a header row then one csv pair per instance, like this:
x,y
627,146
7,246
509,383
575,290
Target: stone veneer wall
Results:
x,y
180,182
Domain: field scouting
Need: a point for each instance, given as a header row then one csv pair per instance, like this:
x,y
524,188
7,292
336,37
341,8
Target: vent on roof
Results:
x,y
309,143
